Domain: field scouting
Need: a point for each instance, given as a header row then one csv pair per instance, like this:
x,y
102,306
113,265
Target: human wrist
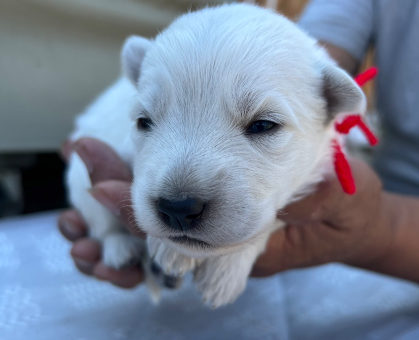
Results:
x,y
390,221
380,234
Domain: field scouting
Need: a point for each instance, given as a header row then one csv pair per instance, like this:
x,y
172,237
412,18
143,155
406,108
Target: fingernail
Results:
x,y
84,155
84,266
70,230
100,196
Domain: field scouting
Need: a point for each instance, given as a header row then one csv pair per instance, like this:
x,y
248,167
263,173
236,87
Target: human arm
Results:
x,y
402,257
344,59
344,27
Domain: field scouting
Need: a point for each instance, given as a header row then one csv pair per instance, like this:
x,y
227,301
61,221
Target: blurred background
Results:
x,y
55,57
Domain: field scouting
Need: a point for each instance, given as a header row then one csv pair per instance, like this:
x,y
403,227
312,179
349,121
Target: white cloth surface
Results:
x,y
43,297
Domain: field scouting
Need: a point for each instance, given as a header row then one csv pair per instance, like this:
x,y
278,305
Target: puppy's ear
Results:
x,y
341,92
133,53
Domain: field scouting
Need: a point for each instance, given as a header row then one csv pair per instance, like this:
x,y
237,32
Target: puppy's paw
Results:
x,y
171,262
168,281
122,250
220,281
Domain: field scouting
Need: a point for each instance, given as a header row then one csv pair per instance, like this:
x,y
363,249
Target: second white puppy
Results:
x,y
232,112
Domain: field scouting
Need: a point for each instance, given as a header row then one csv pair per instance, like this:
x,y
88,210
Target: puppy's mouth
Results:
x,y
189,241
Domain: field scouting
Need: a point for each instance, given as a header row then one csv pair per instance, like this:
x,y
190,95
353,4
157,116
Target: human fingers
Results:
x,y
71,225
124,278
116,196
101,161
86,253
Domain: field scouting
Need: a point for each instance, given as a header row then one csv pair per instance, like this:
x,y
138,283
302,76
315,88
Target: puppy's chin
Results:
x,y
192,246
200,249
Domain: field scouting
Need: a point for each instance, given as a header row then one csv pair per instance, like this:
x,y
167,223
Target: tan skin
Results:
x,y
372,229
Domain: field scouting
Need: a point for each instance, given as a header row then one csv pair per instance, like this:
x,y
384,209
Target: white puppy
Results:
x,y
232,112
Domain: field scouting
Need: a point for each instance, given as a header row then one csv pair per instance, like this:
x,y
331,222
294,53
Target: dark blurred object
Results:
x,y
43,184
11,202
31,183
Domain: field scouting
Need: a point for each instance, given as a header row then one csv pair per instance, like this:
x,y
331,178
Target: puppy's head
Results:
x,y
234,114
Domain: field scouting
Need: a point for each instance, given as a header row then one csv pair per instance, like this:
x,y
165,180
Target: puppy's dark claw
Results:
x,y
155,269
172,282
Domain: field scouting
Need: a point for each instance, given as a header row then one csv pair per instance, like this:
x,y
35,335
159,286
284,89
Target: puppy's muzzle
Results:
x,y
181,215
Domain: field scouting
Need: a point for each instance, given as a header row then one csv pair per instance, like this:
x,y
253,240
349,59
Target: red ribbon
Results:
x,y
342,168
365,77
355,120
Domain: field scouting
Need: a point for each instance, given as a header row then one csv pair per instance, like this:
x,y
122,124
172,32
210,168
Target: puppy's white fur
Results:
x,y
202,82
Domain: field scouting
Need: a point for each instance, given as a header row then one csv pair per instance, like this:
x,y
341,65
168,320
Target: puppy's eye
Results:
x,y
261,126
144,124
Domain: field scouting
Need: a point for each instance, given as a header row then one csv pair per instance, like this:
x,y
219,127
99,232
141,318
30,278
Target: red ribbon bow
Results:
x,y
342,168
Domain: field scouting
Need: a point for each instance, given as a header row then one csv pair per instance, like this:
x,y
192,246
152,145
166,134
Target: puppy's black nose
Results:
x,y
180,215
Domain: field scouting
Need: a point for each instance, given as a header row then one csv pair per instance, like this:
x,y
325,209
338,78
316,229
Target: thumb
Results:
x,y
269,262
299,245
101,161
116,196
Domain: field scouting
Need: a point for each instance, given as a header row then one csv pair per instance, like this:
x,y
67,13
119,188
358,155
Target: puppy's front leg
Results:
x,y
221,279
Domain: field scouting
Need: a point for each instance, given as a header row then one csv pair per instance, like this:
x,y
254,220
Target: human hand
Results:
x,y
111,180
331,226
